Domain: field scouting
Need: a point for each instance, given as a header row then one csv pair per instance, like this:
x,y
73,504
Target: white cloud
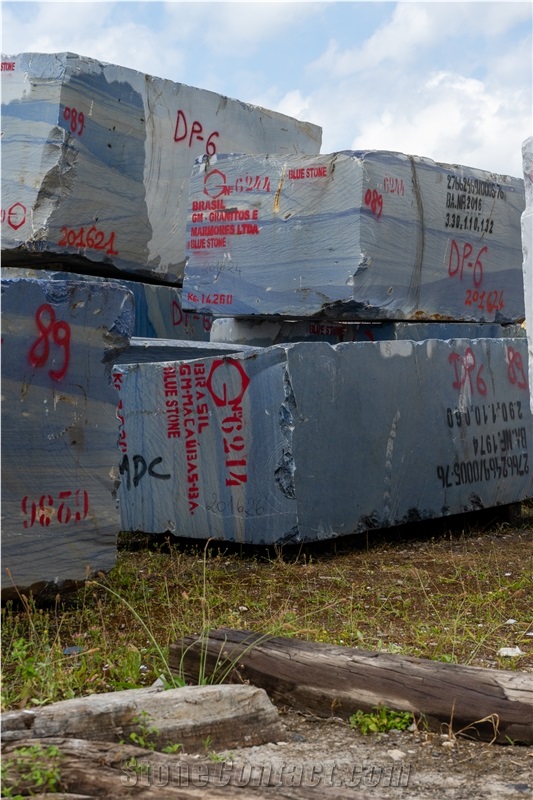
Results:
x,y
238,28
446,80
413,30
453,119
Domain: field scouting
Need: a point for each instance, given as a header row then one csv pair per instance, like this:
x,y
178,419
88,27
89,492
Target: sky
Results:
x,y
451,81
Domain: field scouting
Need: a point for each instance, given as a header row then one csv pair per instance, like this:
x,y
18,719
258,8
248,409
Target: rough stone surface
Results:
x,y
308,441
96,159
266,332
158,310
527,245
59,427
354,235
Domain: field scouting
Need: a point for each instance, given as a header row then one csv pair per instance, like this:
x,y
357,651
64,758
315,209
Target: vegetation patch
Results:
x,y
459,595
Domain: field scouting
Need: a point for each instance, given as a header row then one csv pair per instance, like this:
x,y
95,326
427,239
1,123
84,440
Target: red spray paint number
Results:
x,y
50,329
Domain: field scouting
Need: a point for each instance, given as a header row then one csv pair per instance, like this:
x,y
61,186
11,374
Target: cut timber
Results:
x,y
96,769
326,680
230,716
356,235
97,158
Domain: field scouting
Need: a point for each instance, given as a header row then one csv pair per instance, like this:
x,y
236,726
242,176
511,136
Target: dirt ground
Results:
x,y
414,765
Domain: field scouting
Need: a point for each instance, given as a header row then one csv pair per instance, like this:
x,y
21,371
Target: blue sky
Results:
x,y
450,81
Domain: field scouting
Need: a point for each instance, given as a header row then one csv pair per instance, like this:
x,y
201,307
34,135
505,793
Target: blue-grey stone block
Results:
x,y
359,236
527,246
158,311
96,159
141,350
266,332
59,427
307,441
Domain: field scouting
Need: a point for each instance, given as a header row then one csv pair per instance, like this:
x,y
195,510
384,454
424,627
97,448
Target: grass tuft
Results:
x,y
457,596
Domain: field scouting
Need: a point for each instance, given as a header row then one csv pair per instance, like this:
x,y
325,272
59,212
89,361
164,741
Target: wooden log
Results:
x,y
92,153
357,235
229,716
326,679
90,769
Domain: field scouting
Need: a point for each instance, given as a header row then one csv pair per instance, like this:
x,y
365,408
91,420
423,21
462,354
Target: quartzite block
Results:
x,y
527,246
264,332
308,441
59,427
96,159
363,236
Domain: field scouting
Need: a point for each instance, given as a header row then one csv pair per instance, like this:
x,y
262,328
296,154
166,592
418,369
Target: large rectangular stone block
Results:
x,y
141,350
353,236
527,247
308,441
96,159
265,333
59,427
158,310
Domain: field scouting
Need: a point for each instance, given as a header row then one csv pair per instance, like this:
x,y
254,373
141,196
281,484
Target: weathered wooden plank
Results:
x,y
327,679
59,340
236,446
267,332
96,159
362,235
228,716
527,246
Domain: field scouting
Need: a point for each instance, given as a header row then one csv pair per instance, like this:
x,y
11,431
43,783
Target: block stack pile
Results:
x,y
422,409
366,366
96,162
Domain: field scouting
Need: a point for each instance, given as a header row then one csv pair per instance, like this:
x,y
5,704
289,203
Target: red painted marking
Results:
x,y
458,259
232,424
515,370
374,201
74,507
181,133
45,319
465,367
15,216
93,240
75,118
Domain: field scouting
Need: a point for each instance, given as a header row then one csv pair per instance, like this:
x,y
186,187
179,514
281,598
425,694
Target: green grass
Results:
x,y
446,597
381,720
33,769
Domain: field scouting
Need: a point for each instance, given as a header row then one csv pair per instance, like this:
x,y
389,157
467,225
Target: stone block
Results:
x,y
158,310
59,428
306,441
96,159
265,332
527,246
353,236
